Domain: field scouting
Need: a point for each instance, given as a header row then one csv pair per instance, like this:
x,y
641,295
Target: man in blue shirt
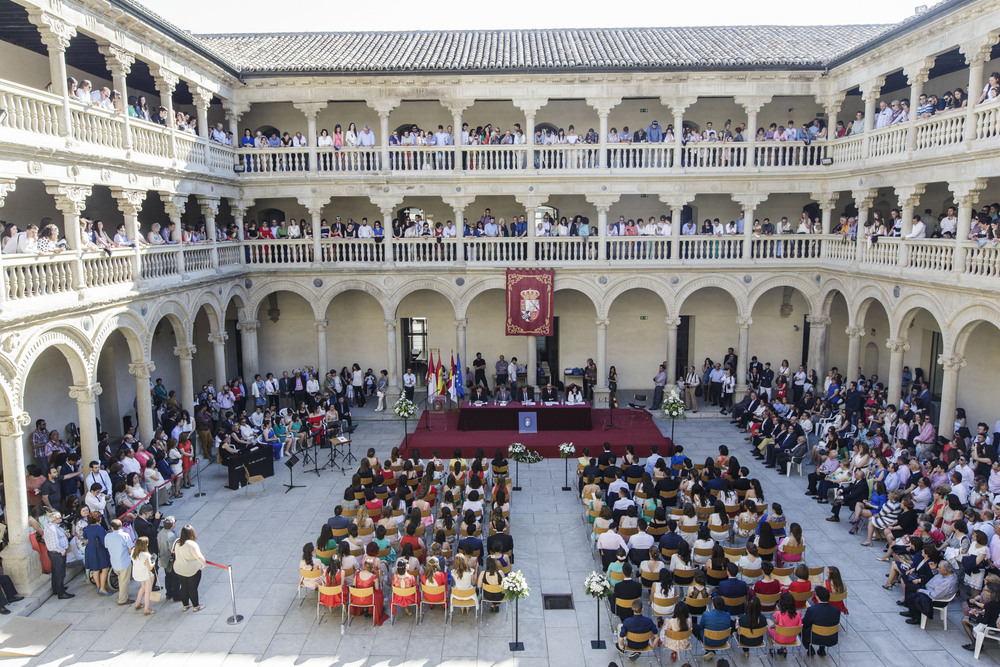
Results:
x,y
339,522
732,588
715,619
636,624
119,545
654,133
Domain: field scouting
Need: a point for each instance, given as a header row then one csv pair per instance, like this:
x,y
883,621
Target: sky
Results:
x,y
220,16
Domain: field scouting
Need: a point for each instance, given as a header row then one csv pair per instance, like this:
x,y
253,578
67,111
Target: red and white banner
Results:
x,y
530,303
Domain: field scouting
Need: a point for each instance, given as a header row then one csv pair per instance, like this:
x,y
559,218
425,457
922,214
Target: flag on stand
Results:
x,y
431,380
452,391
459,383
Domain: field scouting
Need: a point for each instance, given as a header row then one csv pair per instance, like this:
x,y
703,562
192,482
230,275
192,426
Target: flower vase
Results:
x,y
566,483
516,645
598,643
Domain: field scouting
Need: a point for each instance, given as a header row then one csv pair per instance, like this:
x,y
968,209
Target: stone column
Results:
x,y
234,112
173,206
71,200
130,204
531,204
322,363
677,106
19,560
311,111
461,329
909,198
748,203
603,107
818,325
529,107
601,390
457,107
854,336
7,185
949,393
120,63
86,408
966,196
672,324
239,207
386,205
315,207
744,354
752,104
897,346
166,82
218,341
826,202
863,199
977,52
383,107
831,104
56,35
870,92
248,339
210,209
458,205
916,74
603,204
202,98
392,358
142,371
676,204
186,353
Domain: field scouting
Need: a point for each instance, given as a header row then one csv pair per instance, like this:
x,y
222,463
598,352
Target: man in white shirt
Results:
x,y
365,231
130,464
219,134
919,230
298,141
689,228
949,223
449,230
409,383
642,541
512,374
25,242
104,99
883,116
95,499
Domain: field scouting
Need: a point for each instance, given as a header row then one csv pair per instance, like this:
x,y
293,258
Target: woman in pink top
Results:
x,y
786,617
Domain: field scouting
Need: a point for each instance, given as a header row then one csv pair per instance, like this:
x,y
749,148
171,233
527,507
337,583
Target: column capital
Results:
x,y
142,369
818,321
70,198
897,344
459,203
951,362
457,105
234,110
56,33
390,325
314,204
832,102
248,326
165,80
7,185
531,201
129,201
603,203
672,322
461,323
85,393
749,201
529,106
13,426
863,199
744,322
855,332
241,206
825,200
977,49
602,322
185,352
384,202
209,206
310,109
321,325
173,204
918,72
871,89
202,97
675,201
118,60
967,192
678,104
383,106
219,338
603,105
752,103
909,195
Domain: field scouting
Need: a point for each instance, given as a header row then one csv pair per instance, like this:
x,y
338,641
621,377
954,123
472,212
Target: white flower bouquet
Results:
x,y
567,450
522,454
673,405
515,587
516,449
597,585
404,408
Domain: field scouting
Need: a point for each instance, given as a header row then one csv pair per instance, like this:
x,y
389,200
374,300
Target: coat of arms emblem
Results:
x,y
530,305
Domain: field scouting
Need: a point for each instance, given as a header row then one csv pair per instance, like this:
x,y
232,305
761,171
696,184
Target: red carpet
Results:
x,y
637,428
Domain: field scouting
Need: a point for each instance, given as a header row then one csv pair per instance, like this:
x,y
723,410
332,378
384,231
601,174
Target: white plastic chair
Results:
x,y
941,606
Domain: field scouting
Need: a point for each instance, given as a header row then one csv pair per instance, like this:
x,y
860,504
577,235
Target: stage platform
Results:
x,y
635,427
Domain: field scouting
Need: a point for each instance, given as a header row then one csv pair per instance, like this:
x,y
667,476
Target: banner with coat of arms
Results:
x,y
530,304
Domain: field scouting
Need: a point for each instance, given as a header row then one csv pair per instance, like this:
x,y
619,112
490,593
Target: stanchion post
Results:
x,y
235,618
197,478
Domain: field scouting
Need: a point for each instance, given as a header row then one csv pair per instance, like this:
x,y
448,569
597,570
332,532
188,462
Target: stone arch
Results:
x,y
74,347
584,287
213,308
905,311
132,328
235,292
727,284
829,291
965,321
861,300
804,286
481,286
179,319
257,296
441,286
655,285
341,286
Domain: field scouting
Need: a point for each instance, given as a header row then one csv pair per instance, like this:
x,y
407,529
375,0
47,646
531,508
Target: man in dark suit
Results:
x,y
502,394
821,614
793,454
147,525
855,492
477,394
626,591
606,458
670,483
470,545
670,539
550,393
339,522
526,393
733,587
286,386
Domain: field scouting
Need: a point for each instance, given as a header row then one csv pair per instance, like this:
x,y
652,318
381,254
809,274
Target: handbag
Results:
x,y
697,390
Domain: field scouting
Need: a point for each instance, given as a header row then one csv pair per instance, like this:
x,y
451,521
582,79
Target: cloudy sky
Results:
x,y
219,16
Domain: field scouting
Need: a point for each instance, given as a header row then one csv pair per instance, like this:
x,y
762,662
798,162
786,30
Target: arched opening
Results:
x,y
356,333
205,323
286,339
870,359
46,396
168,333
487,333
575,338
778,332
638,315
712,325
426,322
234,344
875,324
921,329
836,344
117,402
981,370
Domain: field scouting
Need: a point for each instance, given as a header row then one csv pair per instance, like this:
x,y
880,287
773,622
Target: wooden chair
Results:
x,y
339,534
733,554
768,600
697,606
622,603
321,554
657,531
747,573
662,602
627,533
305,575
351,513
404,592
464,598
616,577
704,513
734,602
648,578
677,512
252,479
794,551
816,575
384,553
638,642
732,511
783,575
777,525
716,636
747,639
702,552
801,598
429,589
493,589
743,527
683,577
357,551
826,631
716,575
790,633
331,590
667,554
667,495
362,598
688,530
680,636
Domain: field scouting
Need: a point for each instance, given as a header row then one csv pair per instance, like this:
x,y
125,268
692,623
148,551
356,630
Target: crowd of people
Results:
x,y
411,533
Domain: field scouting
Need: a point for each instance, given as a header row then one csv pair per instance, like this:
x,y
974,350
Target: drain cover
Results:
x,y
557,602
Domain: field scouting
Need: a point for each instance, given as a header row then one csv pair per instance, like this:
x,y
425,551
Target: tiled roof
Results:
x,y
719,48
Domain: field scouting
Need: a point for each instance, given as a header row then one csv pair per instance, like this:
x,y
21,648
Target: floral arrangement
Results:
x,y
516,449
404,408
597,585
522,454
673,405
567,450
515,587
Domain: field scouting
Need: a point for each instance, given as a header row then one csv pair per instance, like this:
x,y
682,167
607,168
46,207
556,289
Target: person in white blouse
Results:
x,y
351,136
294,230
919,229
365,230
574,396
154,237
298,141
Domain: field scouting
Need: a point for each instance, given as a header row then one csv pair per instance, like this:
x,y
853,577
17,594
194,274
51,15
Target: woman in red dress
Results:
x,y
433,576
367,578
402,580
334,578
187,454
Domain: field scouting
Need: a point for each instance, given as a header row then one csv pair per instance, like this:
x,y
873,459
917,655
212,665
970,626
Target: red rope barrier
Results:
x,y
149,495
224,567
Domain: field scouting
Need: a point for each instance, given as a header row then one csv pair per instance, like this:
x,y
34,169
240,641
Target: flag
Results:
x,y
459,383
431,381
452,391
441,383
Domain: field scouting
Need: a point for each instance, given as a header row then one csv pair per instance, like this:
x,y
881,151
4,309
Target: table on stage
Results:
x,y
259,460
505,417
